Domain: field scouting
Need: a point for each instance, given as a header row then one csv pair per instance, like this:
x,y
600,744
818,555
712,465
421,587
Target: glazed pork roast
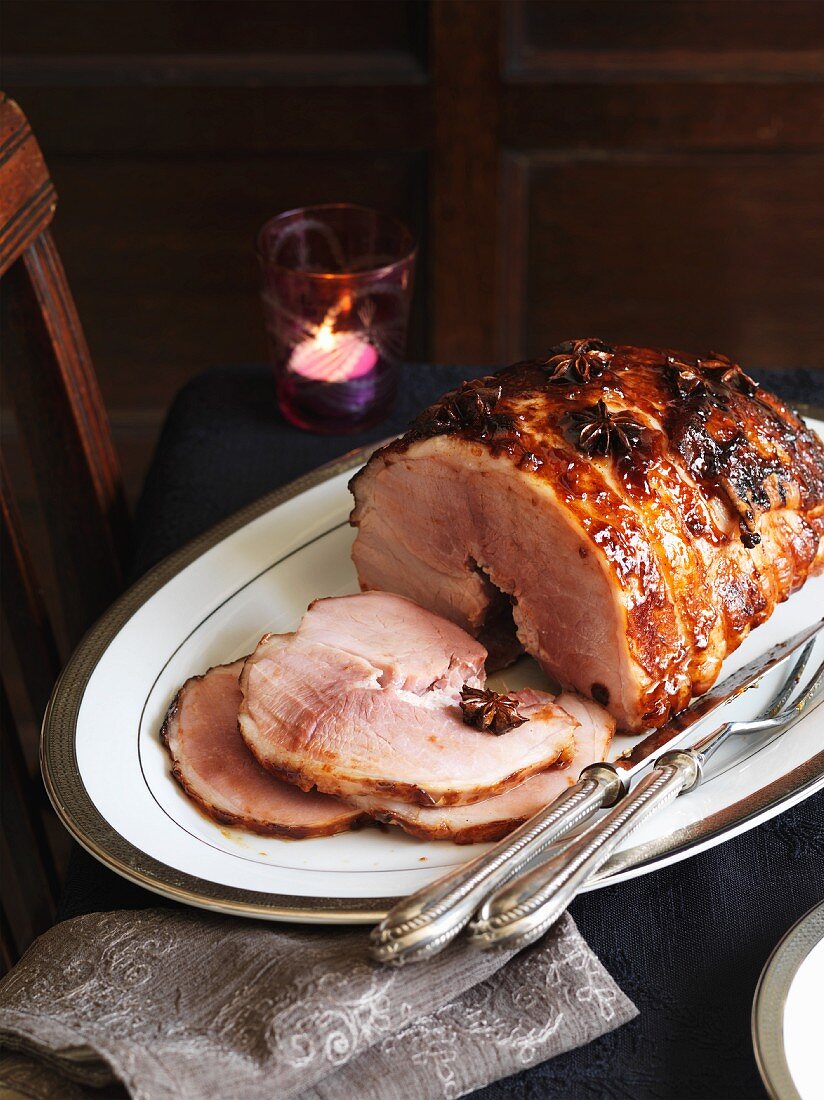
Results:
x,y
623,514
375,695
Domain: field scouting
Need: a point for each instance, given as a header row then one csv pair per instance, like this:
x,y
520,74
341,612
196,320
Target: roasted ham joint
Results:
x,y
623,515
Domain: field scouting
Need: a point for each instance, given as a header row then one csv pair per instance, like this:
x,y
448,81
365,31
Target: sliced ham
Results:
x,y
214,767
497,816
364,698
640,511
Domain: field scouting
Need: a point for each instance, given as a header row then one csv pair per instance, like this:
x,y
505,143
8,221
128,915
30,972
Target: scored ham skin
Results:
x,y
631,577
364,697
495,817
213,766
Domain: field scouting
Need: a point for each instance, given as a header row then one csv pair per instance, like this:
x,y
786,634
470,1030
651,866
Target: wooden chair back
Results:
x,y
52,387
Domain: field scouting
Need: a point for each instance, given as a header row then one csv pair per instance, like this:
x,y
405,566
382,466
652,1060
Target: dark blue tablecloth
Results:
x,y
687,943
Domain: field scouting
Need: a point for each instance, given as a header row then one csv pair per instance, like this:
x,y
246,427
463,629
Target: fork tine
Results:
x,y
792,681
809,693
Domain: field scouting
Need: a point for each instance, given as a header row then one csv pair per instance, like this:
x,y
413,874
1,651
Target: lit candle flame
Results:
x,y
325,336
331,356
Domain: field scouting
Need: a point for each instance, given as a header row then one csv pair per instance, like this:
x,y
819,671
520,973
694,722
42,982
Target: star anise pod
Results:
x,y
724,370
686,377
597,431
710,380
471,409
488,710
579,361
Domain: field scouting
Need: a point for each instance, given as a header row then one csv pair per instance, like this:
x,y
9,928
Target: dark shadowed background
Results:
x,y
641,170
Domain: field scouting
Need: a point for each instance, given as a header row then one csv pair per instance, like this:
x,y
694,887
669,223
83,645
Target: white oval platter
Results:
x,y
108,775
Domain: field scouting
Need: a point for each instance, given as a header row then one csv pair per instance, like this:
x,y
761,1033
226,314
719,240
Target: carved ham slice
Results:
x,y
216,770
640,511
497,816
365,697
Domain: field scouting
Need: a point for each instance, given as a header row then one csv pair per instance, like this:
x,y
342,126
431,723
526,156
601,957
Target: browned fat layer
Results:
x,y
406,792
802,545
171,714
529,398
471,834
773,445
741,597
264,828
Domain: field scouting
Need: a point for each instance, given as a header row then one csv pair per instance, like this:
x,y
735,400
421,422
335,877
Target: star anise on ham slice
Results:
x,y
598,431
488,710
579,361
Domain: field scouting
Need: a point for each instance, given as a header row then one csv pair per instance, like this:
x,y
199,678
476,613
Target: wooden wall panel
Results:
x,y
663,176
606,40
692,251
88,28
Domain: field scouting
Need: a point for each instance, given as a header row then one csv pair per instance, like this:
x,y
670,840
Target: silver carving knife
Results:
x,y
529,904
423,924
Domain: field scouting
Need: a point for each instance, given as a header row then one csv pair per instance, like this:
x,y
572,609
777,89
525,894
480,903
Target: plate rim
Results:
x,y
770,1001
83,820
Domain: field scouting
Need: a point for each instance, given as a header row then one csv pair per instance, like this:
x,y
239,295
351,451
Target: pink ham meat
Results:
x,y
497,816
216,770
364,699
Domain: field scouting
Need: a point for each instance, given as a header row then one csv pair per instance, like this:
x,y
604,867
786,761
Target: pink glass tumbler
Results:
x,y
337,283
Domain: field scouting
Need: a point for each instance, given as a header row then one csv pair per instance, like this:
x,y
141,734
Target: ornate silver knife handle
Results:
x,y
424,923
520,912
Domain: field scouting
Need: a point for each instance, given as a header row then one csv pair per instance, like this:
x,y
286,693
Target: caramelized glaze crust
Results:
x,y
702,493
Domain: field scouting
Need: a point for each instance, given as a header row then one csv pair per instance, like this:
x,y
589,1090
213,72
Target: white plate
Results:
x,y
787,1012
108,775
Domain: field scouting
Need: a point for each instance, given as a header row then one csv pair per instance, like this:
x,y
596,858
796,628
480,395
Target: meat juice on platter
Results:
x,y
624,515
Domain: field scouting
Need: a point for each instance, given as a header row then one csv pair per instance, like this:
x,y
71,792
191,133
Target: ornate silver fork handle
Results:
x,y
425,922
521,911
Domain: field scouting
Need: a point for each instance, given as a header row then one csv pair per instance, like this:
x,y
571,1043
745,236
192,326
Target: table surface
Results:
x,y
686,943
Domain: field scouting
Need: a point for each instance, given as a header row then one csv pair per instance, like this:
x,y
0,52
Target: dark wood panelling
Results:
x,y
465,63
605,40
174,129
222,121
664,116
663,175
126,28
683,251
